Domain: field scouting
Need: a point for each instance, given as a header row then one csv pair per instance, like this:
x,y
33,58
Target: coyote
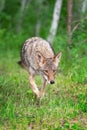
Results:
x,y
37,57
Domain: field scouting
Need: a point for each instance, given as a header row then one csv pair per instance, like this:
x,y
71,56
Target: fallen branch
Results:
x,y
79,20
75,27
84,41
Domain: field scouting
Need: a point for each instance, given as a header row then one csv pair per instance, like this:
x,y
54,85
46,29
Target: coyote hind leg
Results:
x,y
34,86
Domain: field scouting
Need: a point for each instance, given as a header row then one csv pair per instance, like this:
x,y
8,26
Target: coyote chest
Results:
x,y
37,56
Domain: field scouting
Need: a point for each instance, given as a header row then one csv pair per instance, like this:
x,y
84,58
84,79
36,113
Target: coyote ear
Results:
x,y
57,58
40,59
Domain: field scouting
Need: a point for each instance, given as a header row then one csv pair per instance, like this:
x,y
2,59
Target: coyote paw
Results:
x,y
41,95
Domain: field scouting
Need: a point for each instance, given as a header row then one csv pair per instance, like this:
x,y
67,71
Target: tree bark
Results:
x,y
38,22
2,5
21,14
37,28
69,28
55,21
84,6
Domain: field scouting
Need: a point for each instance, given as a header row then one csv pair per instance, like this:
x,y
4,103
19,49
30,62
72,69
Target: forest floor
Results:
x,y
64,106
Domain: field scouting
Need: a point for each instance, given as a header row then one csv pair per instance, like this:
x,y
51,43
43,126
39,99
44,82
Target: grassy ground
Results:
x,y
64,106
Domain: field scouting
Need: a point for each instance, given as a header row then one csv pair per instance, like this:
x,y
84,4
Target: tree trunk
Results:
x,y
38,22
2,5
37,28
84,6
55,21
69,28
21,15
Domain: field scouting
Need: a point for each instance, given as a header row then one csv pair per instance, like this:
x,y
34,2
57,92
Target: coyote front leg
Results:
x,y
43,88
34,86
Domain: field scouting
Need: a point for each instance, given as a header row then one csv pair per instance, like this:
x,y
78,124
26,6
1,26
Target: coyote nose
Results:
x,y
51,82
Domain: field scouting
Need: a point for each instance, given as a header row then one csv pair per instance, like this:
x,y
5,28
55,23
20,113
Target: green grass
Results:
x,y
64,106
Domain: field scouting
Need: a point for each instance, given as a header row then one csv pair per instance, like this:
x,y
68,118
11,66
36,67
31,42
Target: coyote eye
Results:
x,y
46,71
54,71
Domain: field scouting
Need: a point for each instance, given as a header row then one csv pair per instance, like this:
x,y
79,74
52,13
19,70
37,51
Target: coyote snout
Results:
x,y
37,57
52,82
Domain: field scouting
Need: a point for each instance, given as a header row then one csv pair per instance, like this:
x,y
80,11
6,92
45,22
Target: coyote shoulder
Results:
x,y
37,57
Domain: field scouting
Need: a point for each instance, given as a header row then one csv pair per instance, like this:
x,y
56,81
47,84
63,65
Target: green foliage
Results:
x,y
64,106
33,11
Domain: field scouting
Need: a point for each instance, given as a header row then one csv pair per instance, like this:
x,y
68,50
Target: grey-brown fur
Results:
x,y
37,57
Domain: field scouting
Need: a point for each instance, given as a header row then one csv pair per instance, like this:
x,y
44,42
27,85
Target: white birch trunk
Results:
x,y
84,6
38,22
55,21
2,4
38,26
21,14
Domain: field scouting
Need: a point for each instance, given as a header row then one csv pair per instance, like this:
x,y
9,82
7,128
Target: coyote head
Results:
x,y
48,66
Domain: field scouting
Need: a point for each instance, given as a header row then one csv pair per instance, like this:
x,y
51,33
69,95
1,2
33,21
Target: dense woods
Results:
x,y
43,17
64,24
